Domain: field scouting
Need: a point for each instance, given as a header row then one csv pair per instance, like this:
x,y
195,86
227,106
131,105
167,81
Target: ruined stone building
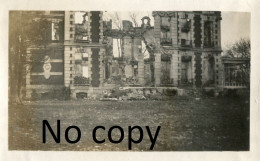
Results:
x,y
130,64
73,54
184,49
192,48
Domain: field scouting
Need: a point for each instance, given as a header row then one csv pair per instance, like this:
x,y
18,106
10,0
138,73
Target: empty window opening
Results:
x,y
81,26
186,69
55,31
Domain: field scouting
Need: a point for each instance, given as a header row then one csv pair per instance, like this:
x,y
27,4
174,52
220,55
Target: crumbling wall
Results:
x,y
95,26
127,48
197,31
137,46
198,70
219,69
208,68
147,74
129,72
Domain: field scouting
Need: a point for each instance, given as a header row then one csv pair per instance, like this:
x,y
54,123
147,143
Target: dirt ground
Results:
x,y
187,124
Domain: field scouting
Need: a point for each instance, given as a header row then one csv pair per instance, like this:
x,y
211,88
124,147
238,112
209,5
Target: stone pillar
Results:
x,y
157,69
127,47
89,26
89,64
205,67
69,52
141,68
157,28
190,33
193,68
174,68
179,26
136,50
174,30
69,20
28,76
219,34
203,18
101,37
96,67
221,72
198,69
192,30
218,69
101,67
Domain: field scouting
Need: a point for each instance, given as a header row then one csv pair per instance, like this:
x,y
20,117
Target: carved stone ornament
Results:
x,y
164,13
47,67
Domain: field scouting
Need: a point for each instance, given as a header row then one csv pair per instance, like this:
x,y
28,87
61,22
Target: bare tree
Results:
x,y
23,32
117,21
133,16
240,49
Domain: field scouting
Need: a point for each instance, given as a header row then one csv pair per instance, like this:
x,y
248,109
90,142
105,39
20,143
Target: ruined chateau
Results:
x,y
182,49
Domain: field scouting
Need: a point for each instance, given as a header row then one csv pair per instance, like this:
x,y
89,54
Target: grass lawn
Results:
x,y
210,124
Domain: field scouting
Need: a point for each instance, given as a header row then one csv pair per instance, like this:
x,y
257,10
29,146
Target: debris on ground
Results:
x,y
123,94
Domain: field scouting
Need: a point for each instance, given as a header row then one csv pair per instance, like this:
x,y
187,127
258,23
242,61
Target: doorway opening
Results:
x,y
186,70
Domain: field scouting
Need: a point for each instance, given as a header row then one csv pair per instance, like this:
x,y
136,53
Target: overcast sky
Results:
x,y
234,25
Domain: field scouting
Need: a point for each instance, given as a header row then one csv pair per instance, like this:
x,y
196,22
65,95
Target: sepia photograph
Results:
x,y
128,80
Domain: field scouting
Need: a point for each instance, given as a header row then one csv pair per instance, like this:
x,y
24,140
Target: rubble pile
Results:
x,y
123,94
193,92
122,81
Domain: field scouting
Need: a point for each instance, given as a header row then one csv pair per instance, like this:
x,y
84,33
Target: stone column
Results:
x,y
101,28
174,68
101,66
127,47
28,76
137,42
157,69
174,30
179,26
203,18
157,28
218,69
68,25
89,64
69,52
198,69
141,68
89,26
219,34
205,67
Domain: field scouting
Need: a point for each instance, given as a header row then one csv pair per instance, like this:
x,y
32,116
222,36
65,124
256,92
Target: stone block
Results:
x,y
128,71
180,92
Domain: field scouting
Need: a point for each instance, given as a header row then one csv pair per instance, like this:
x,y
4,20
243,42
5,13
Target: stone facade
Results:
x,y
82,53
46,68
185,50
192,39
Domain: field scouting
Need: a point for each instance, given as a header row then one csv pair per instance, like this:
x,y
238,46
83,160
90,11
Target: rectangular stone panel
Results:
x,y
198,70
95,30
197,31
40,80
95,69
